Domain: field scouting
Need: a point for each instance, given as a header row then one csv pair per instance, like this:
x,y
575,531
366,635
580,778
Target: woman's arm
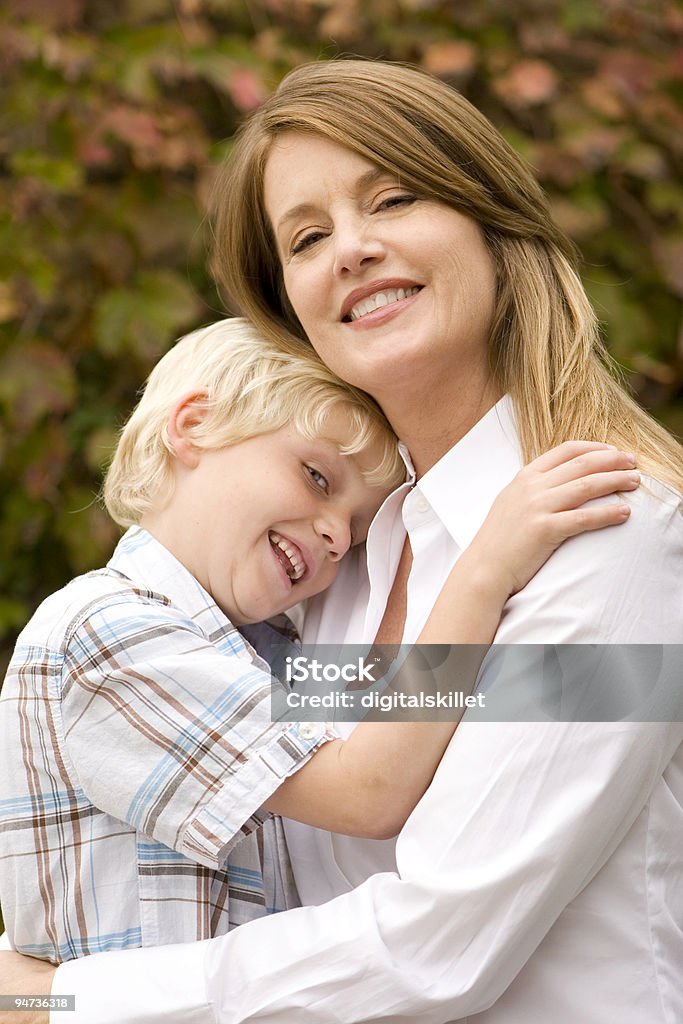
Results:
x,y
23,976
449,899
444,937
369,784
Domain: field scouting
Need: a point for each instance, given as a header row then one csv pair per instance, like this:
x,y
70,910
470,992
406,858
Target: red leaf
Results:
x,y
64,14
632,74
93,153
247,89
451,58
137,128
527,84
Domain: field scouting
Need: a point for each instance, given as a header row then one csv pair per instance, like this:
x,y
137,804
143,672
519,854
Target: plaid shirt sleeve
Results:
x,y
169,731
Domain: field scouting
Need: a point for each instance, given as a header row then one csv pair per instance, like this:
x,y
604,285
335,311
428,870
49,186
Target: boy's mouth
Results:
x,y
288,554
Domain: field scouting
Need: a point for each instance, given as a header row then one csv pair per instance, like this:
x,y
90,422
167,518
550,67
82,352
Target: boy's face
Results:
x,y
263,524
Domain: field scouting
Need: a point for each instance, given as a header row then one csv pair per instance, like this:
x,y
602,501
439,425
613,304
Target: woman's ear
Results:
x,y
187,412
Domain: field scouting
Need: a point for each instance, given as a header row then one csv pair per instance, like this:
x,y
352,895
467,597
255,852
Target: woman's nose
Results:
x,y
356,248
335,533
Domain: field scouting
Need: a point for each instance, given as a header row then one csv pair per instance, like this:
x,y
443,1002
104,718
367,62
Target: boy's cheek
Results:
x,y
324,579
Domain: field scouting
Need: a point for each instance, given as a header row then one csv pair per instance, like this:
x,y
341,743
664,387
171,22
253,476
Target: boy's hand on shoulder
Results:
x,y
23,976
546,504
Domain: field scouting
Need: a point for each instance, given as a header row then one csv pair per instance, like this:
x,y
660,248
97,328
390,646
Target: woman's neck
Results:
x,y
431,426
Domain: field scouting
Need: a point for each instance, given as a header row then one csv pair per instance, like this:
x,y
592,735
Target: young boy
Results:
x,y
138,759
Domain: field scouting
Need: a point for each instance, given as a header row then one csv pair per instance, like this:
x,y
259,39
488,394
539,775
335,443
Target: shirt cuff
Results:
x,y
156,985
231,814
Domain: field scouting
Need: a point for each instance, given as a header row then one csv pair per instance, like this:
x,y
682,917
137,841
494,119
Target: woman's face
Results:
x,y
391,289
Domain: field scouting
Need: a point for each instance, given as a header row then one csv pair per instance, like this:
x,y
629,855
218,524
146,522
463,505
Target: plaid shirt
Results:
x,y
136,747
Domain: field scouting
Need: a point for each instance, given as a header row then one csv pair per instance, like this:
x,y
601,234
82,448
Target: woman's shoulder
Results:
x,y
656,512
653,488
654,527
621,584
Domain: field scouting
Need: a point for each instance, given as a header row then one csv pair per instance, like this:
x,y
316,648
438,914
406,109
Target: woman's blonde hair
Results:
x,y
545,346
253,387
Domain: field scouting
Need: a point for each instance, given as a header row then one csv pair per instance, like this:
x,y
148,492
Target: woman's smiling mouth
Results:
x,y
379,300
288,555
378,295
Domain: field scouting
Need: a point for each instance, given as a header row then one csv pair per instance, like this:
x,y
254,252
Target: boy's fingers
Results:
x,y
581,520
598,485
566,451
589,463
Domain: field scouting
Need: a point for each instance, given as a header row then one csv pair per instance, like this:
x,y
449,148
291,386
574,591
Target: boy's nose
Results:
x,y
335,532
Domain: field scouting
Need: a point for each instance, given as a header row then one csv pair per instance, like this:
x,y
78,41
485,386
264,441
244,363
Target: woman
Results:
x,y
369,210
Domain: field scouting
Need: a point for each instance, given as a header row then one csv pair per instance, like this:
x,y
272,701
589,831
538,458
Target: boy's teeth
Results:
x,y
384,298
296,567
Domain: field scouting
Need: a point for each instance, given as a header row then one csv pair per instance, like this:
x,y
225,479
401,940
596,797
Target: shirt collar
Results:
x,y
148,564
463,485
411,475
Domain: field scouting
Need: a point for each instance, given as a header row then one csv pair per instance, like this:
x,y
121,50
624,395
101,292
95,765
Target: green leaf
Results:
x,y
59,175
35,380
146,319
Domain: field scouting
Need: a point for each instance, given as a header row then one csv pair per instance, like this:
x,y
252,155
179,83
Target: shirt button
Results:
x,y
311,730
422,505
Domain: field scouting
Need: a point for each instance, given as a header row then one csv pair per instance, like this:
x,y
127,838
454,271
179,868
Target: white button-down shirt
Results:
x,y
540,878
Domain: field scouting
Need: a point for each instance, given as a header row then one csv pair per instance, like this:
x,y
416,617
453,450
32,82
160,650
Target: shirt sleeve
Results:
x,y
519,819
166,731
621,585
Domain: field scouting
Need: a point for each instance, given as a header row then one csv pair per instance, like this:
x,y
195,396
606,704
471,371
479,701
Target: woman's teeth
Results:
x,y
373,302
293,562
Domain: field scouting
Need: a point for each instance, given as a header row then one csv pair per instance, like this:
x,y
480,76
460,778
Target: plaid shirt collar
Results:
x,y
148,564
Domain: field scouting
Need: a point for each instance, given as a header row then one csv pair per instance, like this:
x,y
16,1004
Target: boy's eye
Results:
x,y
317,477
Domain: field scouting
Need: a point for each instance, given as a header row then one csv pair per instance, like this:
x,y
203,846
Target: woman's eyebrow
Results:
x,y
365,181
301,210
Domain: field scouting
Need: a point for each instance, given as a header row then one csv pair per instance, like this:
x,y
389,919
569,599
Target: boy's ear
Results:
x,y
187,412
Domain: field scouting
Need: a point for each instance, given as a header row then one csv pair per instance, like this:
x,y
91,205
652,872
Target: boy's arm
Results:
x,y
170,732
369,784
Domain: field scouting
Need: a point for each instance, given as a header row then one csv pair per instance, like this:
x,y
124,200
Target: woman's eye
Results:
x,y
404,199
317,477
305,242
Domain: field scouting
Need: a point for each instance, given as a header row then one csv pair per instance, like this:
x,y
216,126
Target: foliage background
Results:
x,y
113,119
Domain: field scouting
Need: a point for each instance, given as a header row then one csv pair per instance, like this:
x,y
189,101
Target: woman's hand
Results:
x,y
546,504
25,976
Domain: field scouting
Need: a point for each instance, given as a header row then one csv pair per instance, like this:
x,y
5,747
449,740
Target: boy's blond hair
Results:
x,y
254,386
